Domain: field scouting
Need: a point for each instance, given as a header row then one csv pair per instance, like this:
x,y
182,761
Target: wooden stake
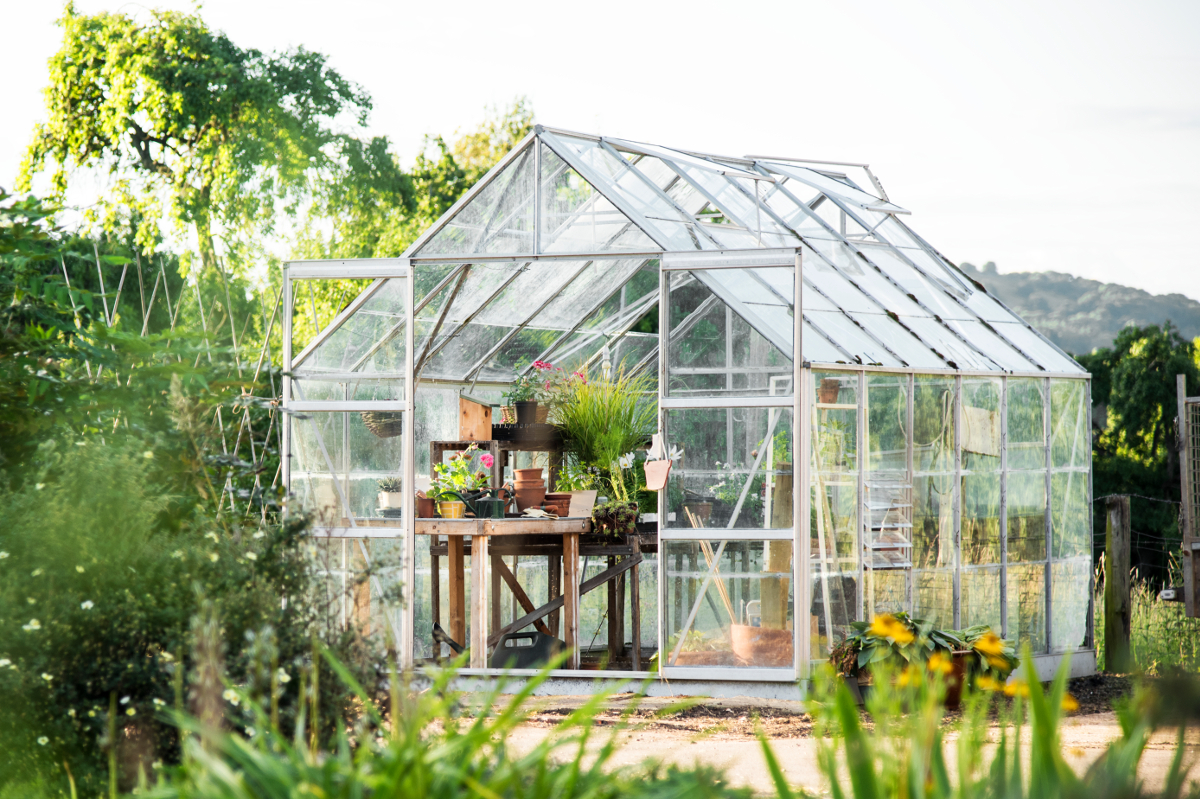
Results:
x,y
1116,586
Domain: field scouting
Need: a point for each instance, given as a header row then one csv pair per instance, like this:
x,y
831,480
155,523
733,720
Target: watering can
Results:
x,y
484,507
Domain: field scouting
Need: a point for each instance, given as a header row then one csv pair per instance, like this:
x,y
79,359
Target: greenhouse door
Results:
x,y
728,520
348,397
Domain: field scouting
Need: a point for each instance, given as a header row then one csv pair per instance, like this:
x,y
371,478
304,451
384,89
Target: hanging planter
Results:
x,y
508,414
384,424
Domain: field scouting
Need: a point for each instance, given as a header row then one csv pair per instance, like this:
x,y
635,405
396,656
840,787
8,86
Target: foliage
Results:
x,y
175,110
435,743
905,754
101,595
390,484
459,474
615,518
524,387
555,385
1162,639
900,639
576,477
605,419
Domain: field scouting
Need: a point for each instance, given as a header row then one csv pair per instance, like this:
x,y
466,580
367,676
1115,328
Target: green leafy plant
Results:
x,y
459,474
524,387
901,639
390,484
577,477
615,518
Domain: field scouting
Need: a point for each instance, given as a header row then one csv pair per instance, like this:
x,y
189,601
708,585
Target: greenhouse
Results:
x,y
940,444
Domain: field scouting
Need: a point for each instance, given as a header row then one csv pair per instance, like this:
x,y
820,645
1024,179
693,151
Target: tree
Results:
x,y
195,129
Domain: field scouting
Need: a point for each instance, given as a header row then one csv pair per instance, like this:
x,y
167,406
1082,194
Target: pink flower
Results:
x,y
487,460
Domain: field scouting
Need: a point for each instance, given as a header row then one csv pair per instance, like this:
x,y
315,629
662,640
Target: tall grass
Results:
x,y
605,419
1162,637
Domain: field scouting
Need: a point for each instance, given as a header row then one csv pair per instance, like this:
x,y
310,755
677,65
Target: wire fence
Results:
x,y
1162,637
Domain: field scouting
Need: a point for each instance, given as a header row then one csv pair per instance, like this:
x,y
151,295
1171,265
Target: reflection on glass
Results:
x,y
1070,444
728,603
1069,600
1026,516
1027,604
1026,424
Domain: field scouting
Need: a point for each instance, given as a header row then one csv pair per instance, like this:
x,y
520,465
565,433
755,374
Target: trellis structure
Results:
x,y
939,443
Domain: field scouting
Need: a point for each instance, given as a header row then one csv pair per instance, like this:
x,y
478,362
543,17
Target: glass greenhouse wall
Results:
x,y
928,451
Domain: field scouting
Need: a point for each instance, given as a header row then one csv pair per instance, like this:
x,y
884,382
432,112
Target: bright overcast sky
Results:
x,y
1040,135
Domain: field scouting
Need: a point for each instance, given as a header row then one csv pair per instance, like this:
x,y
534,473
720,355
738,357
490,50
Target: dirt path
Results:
x,y
723,733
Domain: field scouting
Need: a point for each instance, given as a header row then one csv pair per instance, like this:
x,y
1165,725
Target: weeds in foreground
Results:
x,y
1161,636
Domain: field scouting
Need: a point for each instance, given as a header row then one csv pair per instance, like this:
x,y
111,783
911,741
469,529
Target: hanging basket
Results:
x,y
384,424
543,413
508,414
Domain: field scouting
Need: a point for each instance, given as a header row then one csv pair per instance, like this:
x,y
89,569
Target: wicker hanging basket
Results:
x,y
543,413
508,414
384,424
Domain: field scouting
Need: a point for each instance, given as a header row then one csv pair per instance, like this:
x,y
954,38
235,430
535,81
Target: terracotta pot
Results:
x,y
705,659
656,474
765,647
827,394
530,498
526,412
425,508
452,510
528,474
701,510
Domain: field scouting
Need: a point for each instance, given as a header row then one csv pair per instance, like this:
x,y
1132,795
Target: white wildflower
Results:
x,y
283,676
31,600
47,677
5,662
251,556
159,703
124,700
34,624
675,454
213,536
87,605
231,696
43,740
147,454
214,557
79,569
259,534
39,486
71,712
251,732
626,461
3,555
177,553
37,573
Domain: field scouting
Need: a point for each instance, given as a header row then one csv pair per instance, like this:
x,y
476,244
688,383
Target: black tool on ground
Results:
x,y
440,636
527,650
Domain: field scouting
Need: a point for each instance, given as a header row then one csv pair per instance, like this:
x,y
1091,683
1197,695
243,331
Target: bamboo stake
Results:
x,y
229,304
103,291
141,287
117,299
75,310
146,313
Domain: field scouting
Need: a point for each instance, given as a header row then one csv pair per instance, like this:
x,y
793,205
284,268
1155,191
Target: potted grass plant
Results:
x,y
391,492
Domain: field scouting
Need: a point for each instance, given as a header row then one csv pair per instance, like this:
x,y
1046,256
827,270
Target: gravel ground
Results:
x,y
743,718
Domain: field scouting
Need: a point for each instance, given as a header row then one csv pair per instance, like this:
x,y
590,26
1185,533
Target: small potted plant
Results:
x,y
523,397
459,475
391,492
554,388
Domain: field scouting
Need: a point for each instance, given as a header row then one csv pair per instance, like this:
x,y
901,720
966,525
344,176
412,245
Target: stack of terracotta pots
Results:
x,y
530,488
558,504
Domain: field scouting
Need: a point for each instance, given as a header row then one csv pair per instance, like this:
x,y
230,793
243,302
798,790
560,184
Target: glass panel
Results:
x,y
992,346
934,596
887,423
1070,441
536,283
1030,343
980,437
726,478
799,219
899,340
737,596
988,309
362,582
1026,423
353,449
958,353
833,543
497,220
934,295
887,501
933,424
1070,590
828,185
981,597
358,389
715,351
1026,516
1027,605
852,338
981,518
933,498
1069,514
682,158
370,340
818,349
620,181
733,200
577,218
887,591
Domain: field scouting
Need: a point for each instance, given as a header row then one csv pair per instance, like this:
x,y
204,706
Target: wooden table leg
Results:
x,y
571,597
457,588
496,622
479,593
635,607
553,589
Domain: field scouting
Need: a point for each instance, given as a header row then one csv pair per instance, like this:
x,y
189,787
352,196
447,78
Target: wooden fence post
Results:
x,y
1116,586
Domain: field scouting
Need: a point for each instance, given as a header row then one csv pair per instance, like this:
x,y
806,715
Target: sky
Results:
x,y
1057,136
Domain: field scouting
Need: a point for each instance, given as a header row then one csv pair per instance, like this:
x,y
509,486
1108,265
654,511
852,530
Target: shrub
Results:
x,y
99,593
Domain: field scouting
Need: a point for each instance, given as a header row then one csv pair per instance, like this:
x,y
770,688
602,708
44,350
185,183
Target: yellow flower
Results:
x,y
987,683
909,676
1016,688
888,626
940,663
1070,703
990,644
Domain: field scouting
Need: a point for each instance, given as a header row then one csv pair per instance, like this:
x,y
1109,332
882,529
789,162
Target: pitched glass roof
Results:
x,y
874,291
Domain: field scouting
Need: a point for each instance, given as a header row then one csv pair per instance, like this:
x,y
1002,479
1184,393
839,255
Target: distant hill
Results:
x,y
1080,315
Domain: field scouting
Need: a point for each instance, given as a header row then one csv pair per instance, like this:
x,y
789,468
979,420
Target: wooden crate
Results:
x,y
474,419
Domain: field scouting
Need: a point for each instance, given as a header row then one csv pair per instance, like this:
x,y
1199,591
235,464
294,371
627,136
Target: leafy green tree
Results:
x,y
198,130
